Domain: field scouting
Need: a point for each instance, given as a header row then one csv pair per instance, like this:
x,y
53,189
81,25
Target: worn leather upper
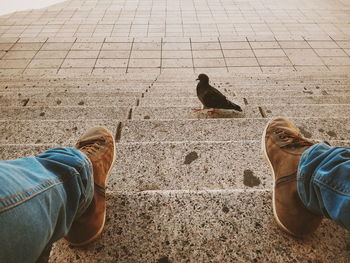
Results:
x,y
98,145
284,146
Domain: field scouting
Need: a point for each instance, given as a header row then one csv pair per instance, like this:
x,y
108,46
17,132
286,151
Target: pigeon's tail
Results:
x,y
231,105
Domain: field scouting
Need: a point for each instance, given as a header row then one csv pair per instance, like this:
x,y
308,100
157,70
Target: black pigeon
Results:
x,y
211,97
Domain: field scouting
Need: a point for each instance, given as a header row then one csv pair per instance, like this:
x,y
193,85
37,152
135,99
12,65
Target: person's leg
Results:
x,y
324,182
60,193
39,199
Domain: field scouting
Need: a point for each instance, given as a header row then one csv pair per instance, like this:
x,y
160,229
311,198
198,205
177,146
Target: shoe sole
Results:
x,y
266,157
94,237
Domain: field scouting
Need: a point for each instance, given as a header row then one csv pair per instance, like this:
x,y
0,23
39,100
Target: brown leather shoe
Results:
x,y
283,145
99,146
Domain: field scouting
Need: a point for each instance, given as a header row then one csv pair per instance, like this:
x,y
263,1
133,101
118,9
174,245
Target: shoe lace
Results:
x,y
91,148
292,139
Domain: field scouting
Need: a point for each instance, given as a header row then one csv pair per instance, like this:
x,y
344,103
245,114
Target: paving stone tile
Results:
x,y
235,45
239,69
340,61
177,63
114,63
51,54
61,39
109,71
57,46
327,52
19,54
264,44
45,63
206,46
139,63
5,46
32,40
277,69
13,63
145,54
8,40
311,68
294,44
116,46
8,72
82,54
275,61
114,54
269,52
78,63
238,53
86,46
146,46
176,46
343,44
323,44
144,73
239,62
339,68
69,72
26,46
207,54
118,39
176,54
207,63
90,40
303,57
40,71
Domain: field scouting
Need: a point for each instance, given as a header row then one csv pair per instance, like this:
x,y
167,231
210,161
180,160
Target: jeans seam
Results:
x,y
28,190
22,200
332,187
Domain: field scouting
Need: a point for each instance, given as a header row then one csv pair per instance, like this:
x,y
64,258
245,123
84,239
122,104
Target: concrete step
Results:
x,y
194,102
201,226
301,77
242,86
53,92
249,111
64,113
178,113
174,165
62,132
68,100
307,110
228,129
253,92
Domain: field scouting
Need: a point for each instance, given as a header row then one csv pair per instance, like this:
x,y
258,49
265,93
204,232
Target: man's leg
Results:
x,y
60,193
324,182
39,199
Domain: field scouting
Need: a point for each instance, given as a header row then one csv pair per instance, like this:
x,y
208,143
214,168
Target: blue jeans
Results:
x,y
39,199
323,180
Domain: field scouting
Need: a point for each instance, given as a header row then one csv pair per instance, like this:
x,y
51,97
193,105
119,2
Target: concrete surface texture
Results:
x,y
187,186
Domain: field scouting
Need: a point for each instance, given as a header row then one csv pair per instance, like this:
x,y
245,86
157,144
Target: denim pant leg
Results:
x,y
39,199
324,182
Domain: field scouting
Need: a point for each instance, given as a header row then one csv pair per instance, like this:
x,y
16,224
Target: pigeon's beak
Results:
x,y
197,78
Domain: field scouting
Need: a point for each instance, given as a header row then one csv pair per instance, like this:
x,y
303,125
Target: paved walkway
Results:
x,y
109,37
